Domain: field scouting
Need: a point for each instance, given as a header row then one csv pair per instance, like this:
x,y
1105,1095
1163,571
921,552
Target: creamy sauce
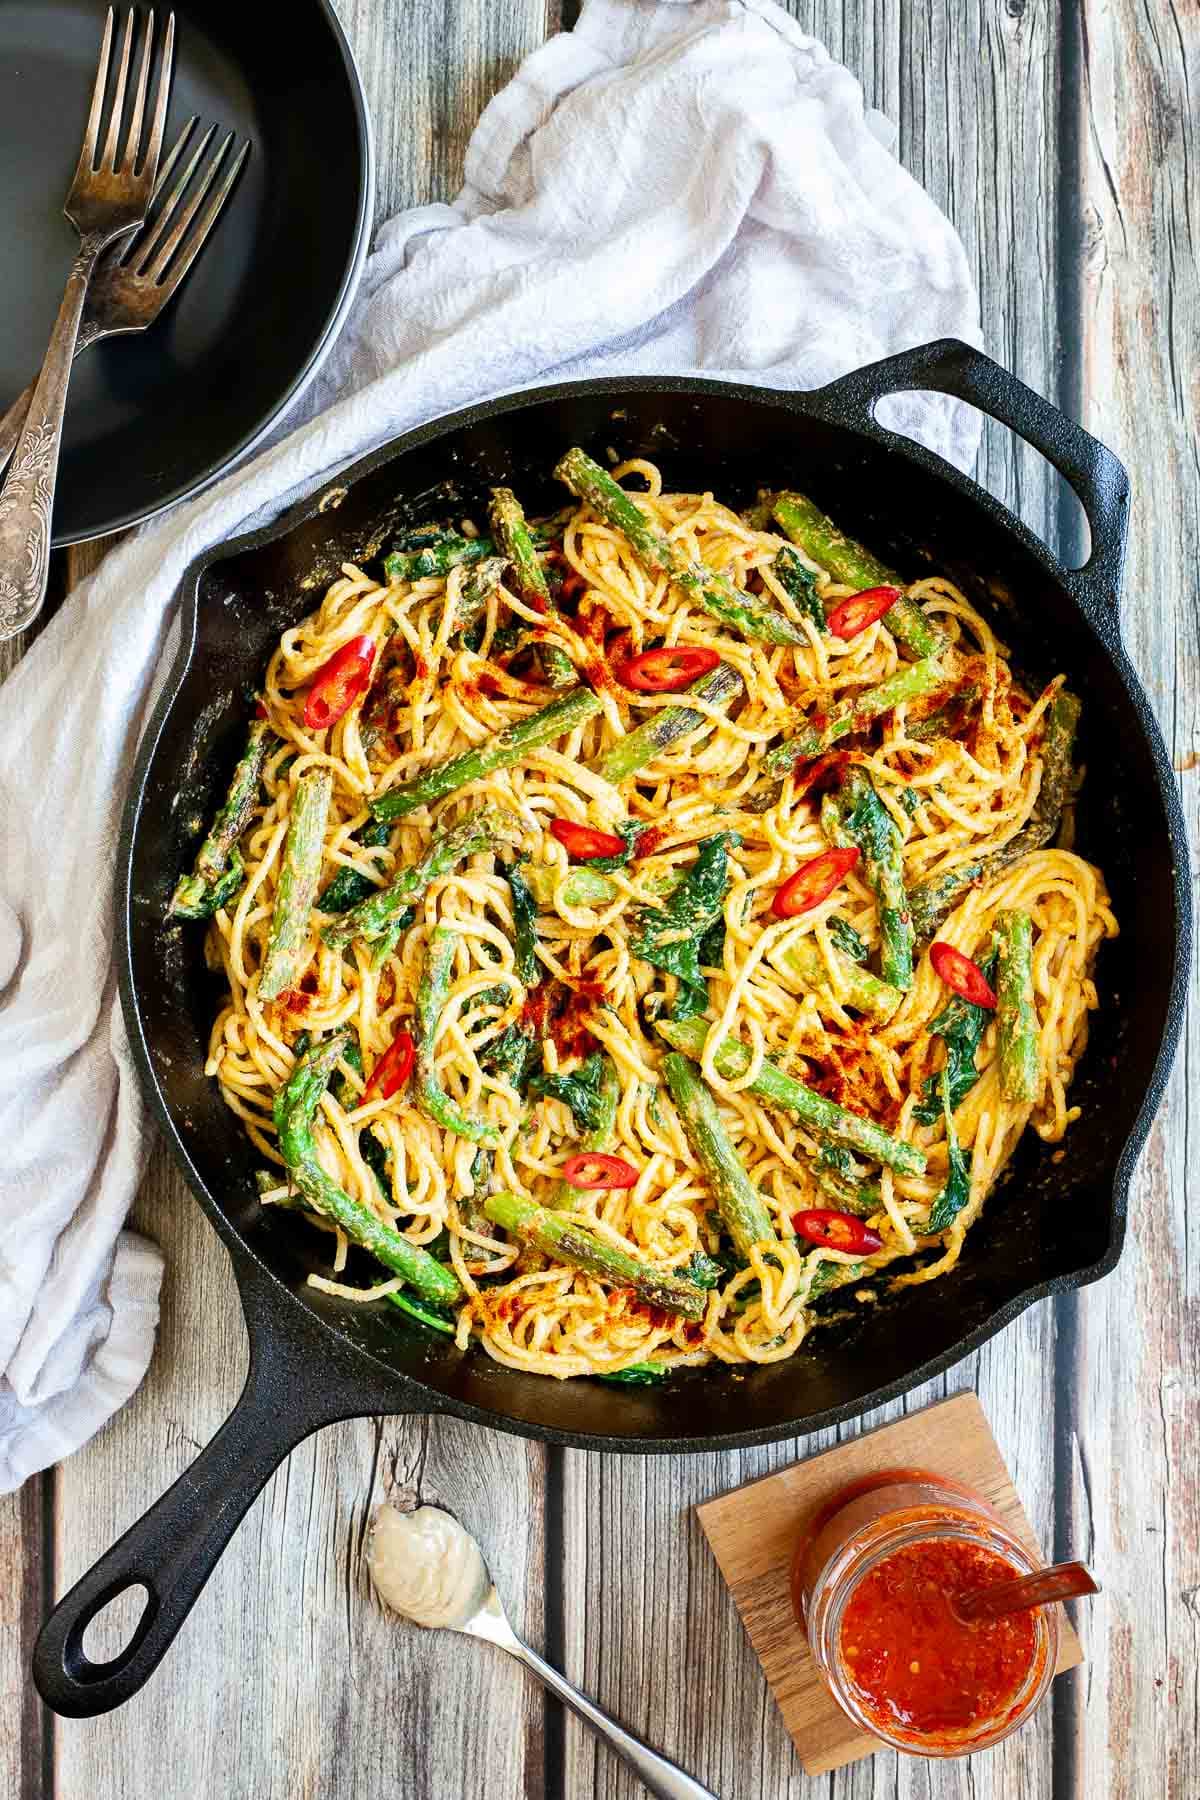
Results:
x,y
426,1566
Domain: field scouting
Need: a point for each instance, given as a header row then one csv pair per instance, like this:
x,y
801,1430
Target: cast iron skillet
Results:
x,y
159,415
1051,1226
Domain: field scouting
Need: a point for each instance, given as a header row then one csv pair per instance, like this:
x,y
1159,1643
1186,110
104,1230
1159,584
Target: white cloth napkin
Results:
x,y
669,186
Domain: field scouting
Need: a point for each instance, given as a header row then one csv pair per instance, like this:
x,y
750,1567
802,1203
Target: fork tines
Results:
x,y
171,240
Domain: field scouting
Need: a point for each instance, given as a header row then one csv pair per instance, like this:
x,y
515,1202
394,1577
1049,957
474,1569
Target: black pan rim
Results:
x,y
1102,622
330,330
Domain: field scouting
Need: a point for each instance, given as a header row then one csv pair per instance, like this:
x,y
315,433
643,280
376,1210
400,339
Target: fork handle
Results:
x,y
27,497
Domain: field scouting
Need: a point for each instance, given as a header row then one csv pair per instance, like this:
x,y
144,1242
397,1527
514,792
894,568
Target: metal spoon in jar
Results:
x,y
427,1567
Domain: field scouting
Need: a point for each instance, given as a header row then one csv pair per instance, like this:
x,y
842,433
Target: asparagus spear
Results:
x,y
374,917
741,1206
500,752
866,993
931,900
295,1107
951,718
195,897
911,681
442,551
1016,1015
431,998
477,590
560,1238
512,534
850,563
298,880
858,816
824,1117
667,726
601,1134
742,612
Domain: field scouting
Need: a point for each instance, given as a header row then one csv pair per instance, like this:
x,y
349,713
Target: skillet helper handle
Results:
x,y
173,1549
1097,477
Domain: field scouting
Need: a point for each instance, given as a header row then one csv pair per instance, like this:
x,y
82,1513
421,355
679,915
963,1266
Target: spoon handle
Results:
x,y
661,1778
1062,1581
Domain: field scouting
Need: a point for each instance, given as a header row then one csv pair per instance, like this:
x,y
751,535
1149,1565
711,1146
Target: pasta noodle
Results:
x,y
438,690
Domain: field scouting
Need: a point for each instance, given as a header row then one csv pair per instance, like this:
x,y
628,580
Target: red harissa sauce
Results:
x,y
915,1668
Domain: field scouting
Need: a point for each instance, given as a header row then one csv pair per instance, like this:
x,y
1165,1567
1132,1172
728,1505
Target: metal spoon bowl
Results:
x,y
487,1619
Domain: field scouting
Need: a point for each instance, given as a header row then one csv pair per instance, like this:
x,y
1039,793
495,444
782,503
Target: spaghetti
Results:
x,y
577,963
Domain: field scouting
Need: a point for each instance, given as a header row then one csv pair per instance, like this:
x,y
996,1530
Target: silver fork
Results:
x,y
105,202
136,276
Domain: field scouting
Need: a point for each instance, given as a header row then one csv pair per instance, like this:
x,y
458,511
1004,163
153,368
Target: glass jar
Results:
x,y
939,1523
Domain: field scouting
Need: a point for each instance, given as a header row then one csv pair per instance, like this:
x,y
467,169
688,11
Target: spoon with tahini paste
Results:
x,y
427,1567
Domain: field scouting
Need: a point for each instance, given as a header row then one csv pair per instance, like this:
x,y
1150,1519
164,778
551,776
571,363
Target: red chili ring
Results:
x,y
964,976
666,670
857,611
338,683
813,882
592,1169
836,1231
393,1068
584,842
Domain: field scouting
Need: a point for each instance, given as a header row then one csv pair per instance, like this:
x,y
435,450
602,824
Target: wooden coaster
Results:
x,y
754,1530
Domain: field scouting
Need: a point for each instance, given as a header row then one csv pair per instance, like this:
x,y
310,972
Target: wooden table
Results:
x,y
1062,141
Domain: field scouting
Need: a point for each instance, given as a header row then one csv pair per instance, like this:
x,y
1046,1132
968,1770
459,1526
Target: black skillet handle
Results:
x,y
951,367
174,1548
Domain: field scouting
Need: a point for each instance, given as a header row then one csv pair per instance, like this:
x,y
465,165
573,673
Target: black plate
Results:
x,y
154,417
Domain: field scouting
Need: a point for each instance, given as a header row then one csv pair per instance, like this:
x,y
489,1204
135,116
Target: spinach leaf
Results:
x,y
438,1317
960,1025
647,1374
800,584
517,1054
847,939
957,1191
629,831
525,912
345,1095
828,1275
909,799
348,887
580,1091
706,1271
669,937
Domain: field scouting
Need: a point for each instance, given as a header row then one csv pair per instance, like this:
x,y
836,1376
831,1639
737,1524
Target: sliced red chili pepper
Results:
x,y
668,669
260,710
813,882
339,683
585,842
592,1169
857,611
963,975
836,1231
393,1068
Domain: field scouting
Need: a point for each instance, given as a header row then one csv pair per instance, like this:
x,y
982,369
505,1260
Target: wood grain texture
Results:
x,y
754,1531
1135,1451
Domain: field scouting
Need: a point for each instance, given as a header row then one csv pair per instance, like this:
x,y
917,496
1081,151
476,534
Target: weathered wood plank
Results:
x,y
289,1679
976,101
23,1738
1136,1343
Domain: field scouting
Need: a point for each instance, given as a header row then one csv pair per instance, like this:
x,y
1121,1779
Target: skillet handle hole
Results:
x,y
1019,476
113,1632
